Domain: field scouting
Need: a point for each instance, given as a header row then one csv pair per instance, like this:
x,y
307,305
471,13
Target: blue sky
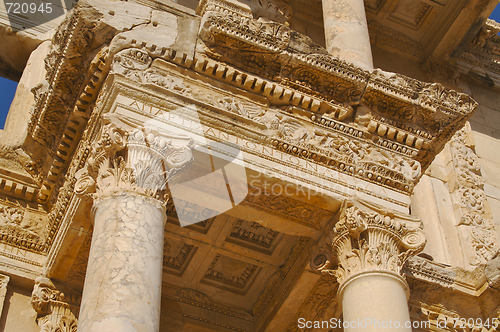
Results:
x,y
496,14
7,91
8,87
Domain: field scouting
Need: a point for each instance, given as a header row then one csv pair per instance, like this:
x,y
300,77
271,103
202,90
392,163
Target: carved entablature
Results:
x,y
127,156
423,269
394,112
56,311
368,238
481,57
21,227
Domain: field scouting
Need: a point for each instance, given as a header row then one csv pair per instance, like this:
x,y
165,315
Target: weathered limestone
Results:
x,y
128,170
346,31
4,281
377,299
366,251
123,285
56,310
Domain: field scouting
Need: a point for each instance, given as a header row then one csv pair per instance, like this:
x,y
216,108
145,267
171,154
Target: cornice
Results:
x,y
416,108
480,60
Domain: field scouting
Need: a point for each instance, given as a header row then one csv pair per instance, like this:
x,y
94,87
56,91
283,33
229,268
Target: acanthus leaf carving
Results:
x,y
367,238
128,156
57,312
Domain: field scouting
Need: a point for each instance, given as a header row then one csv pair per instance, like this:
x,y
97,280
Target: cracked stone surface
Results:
x,y
122,289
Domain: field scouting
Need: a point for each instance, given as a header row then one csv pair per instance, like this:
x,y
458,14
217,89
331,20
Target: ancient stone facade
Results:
x,y
237,165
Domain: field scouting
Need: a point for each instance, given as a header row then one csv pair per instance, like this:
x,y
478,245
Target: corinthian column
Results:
x,y
346,31
126,175
365,252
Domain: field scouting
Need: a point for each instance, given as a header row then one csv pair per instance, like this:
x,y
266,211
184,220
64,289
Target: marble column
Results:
x,y
346,32
365,253
126,175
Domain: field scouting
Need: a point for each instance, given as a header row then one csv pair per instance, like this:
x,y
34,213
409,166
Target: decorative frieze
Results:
x,y
127,156
318,300
287,208
368,238
198,299
481,57
57,312
22,228
423,112
474,218
422,268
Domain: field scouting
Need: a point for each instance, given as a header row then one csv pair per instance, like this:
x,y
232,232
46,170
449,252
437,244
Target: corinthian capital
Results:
x,y
56,310
130,156
368,238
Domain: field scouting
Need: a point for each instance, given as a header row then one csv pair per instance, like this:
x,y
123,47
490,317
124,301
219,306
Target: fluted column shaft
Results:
x,y
346,31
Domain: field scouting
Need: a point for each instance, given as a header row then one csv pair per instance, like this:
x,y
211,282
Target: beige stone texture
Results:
x,y
375,301
495,210
122,286
432,203
18,314
15,128
303,183
346,32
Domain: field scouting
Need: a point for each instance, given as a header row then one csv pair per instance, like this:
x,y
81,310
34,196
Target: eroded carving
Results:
x,y
56,311
321,296
254,233
286,207
177,254
409,117
424,269
21,230
470,200
480,59
199,299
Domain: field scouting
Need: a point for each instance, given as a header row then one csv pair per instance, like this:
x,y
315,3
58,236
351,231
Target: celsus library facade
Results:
x,y
251,166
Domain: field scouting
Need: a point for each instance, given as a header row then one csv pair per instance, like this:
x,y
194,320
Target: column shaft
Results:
x,y
122,289
346,32
375,301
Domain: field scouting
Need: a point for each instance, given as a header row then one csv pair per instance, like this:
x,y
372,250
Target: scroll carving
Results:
x,y
57,312
21,231
366,239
